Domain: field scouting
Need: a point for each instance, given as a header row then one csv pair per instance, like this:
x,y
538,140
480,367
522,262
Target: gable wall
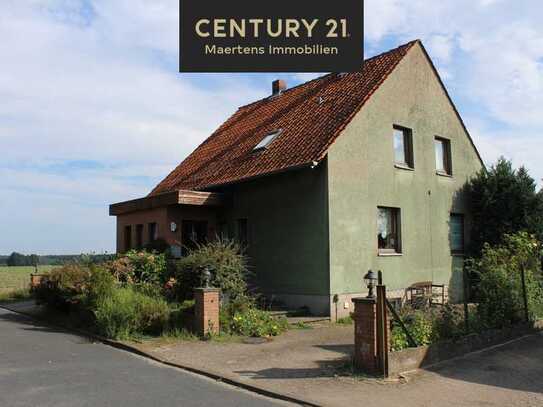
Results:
x,y
361,176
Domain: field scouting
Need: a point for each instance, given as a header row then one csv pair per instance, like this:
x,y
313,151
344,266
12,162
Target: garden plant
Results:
x,y
143,293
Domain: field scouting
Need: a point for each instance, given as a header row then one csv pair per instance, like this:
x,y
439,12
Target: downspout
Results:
x,y
430,232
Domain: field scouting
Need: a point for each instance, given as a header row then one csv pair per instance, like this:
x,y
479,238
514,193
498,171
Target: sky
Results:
x,y
93,109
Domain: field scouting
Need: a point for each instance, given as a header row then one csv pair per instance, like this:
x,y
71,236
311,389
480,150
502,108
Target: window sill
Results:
x,y
443,174
458,254
385,254
403,167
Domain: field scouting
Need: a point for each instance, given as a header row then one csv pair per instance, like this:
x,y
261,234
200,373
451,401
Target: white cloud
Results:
x,y
98,84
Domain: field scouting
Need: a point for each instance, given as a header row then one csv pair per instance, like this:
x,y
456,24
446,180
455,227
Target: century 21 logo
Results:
x,y
255,27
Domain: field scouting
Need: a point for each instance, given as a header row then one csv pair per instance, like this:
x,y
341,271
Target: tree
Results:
x,y
34,260
503,201
16,259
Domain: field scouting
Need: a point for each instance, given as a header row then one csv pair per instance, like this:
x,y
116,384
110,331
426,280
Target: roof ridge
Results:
x,y
406,45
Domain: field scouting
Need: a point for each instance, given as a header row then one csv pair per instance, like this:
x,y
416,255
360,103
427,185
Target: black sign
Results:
x,y
271,35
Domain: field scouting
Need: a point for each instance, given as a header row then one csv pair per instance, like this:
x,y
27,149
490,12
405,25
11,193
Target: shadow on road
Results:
x,y
29,324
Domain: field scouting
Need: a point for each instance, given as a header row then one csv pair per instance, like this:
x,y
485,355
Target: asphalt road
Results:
x,y
42,366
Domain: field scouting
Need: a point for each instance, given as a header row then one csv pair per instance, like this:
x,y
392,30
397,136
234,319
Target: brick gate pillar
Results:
x,y
365,334
206,311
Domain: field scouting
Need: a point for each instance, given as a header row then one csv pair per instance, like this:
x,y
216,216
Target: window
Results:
x,y
153,232
388,230
403,147
243,233
127,238
443,156
266,141
193,233
139,236
456,233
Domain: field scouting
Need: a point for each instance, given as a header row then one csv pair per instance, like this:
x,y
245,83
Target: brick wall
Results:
x,y
206,311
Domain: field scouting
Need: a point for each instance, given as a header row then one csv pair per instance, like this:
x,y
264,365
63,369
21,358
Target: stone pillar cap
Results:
x,y
364,300
207,289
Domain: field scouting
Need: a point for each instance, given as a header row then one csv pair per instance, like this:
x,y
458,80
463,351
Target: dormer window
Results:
x,y
266,141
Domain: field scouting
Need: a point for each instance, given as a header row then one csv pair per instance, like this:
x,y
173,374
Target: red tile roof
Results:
x,y
310,115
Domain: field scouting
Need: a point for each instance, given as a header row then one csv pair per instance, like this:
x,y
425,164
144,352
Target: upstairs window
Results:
x,y
403,147
443,156
388,230
266,141
456,233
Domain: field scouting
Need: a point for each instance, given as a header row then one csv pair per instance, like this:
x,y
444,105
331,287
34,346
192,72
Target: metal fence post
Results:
x,y
524,294
466,283
382,327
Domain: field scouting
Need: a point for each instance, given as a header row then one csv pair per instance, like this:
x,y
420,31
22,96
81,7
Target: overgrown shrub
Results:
x,y
63,286
499,271
421,325
226,262
127,312
101,285
240,316
256,323
121,269
138,267
450,322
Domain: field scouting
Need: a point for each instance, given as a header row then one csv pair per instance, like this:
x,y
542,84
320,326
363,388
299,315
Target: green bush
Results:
x,y
139,267
148,267
500,286
241,317
228,267
256,323
127,313
101,284
63,286
450,323
421,324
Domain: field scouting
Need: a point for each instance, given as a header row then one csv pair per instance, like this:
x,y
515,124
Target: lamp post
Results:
x,y
370,278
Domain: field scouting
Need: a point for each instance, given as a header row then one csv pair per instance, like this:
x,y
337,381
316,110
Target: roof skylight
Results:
x,y
265,142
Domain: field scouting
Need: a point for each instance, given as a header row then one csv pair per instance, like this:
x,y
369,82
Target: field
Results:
x,y
17,278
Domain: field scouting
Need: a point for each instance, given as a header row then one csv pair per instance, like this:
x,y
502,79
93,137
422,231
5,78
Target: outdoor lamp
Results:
x,y
206,277
370,278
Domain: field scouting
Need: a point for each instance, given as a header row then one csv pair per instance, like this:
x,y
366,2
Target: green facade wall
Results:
x,y
288,236
362,176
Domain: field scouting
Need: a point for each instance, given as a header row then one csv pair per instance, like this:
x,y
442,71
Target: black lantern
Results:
x,y
370,278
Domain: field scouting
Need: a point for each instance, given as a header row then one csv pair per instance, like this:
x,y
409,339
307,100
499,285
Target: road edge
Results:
x,y
206,373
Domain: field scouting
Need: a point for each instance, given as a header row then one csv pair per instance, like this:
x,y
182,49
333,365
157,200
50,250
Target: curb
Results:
x,y
211,375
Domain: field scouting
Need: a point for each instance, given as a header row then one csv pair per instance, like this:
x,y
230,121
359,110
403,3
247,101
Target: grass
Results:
x,y
300,325
18,277
345,321
15,295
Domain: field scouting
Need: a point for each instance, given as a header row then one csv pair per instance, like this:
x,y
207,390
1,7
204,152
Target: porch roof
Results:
x,y
179,197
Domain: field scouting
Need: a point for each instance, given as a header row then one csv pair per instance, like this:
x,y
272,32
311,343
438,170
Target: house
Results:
x,y
328,179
